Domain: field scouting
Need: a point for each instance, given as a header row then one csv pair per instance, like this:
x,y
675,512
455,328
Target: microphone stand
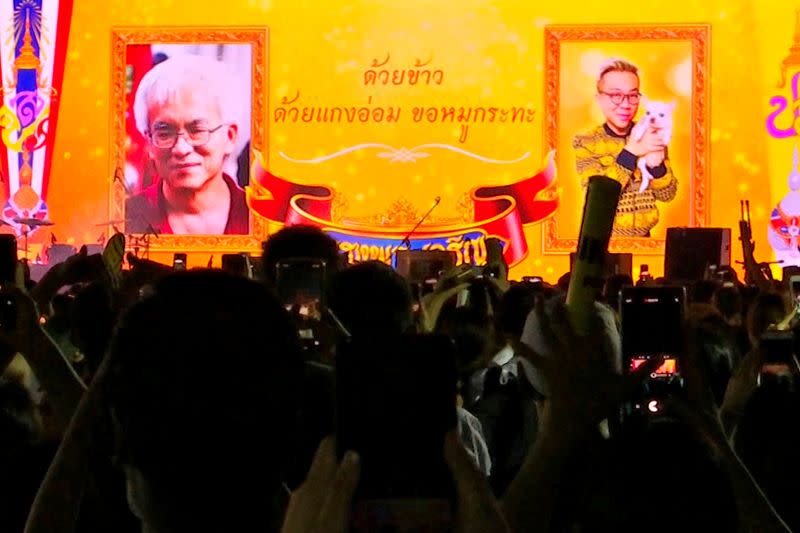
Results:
x,y
407,239
120,177
25,233
151,231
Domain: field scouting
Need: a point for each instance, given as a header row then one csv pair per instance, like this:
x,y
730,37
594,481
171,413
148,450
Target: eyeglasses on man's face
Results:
x,y
618,98
166,135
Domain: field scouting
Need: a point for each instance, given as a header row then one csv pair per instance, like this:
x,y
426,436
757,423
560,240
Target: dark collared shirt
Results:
x,y
150,207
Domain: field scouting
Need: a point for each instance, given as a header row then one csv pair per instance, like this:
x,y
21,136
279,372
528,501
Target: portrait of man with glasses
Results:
x,y
609,150
184,110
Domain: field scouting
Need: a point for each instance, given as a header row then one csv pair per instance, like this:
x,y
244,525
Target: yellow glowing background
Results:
x,y
492,53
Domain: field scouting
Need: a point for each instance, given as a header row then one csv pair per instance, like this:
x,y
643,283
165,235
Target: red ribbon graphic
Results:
x,y
499,211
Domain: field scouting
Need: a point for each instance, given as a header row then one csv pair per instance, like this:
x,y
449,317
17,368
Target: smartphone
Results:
x,y
300,284
8,274
395,401
789,271
794,284
235,264
652,326
179,262
777,352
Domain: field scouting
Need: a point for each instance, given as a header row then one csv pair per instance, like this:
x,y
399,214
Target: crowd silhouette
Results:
x,y
165,402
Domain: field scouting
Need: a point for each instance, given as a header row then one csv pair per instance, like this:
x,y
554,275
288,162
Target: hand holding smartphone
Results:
x,y
652,326
395,403
326,498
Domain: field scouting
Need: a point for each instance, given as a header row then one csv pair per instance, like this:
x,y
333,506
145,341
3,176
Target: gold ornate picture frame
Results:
x,y
124,37
613,41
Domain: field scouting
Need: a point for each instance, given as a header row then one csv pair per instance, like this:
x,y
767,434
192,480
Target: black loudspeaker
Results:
x,y
92,249
690,251
615,264
58,253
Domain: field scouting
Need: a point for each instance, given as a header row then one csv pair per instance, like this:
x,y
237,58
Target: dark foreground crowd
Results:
x,y
195,401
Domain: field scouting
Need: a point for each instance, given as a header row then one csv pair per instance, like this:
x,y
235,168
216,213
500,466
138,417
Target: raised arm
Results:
x,y
583,387
755,512
63,386
58,501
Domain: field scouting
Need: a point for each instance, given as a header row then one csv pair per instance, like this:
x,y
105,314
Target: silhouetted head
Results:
x,y
767,309
702,291
613,285
295,242
728,300
371,299
92,320
717,349
203,389
563,282
515,306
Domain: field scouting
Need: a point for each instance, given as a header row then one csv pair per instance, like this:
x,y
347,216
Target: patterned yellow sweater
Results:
x,y
602,152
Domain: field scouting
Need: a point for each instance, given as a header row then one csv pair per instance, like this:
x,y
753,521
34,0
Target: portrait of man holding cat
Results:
x,y
635,154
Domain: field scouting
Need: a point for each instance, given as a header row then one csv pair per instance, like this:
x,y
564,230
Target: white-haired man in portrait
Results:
x,y
183,107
